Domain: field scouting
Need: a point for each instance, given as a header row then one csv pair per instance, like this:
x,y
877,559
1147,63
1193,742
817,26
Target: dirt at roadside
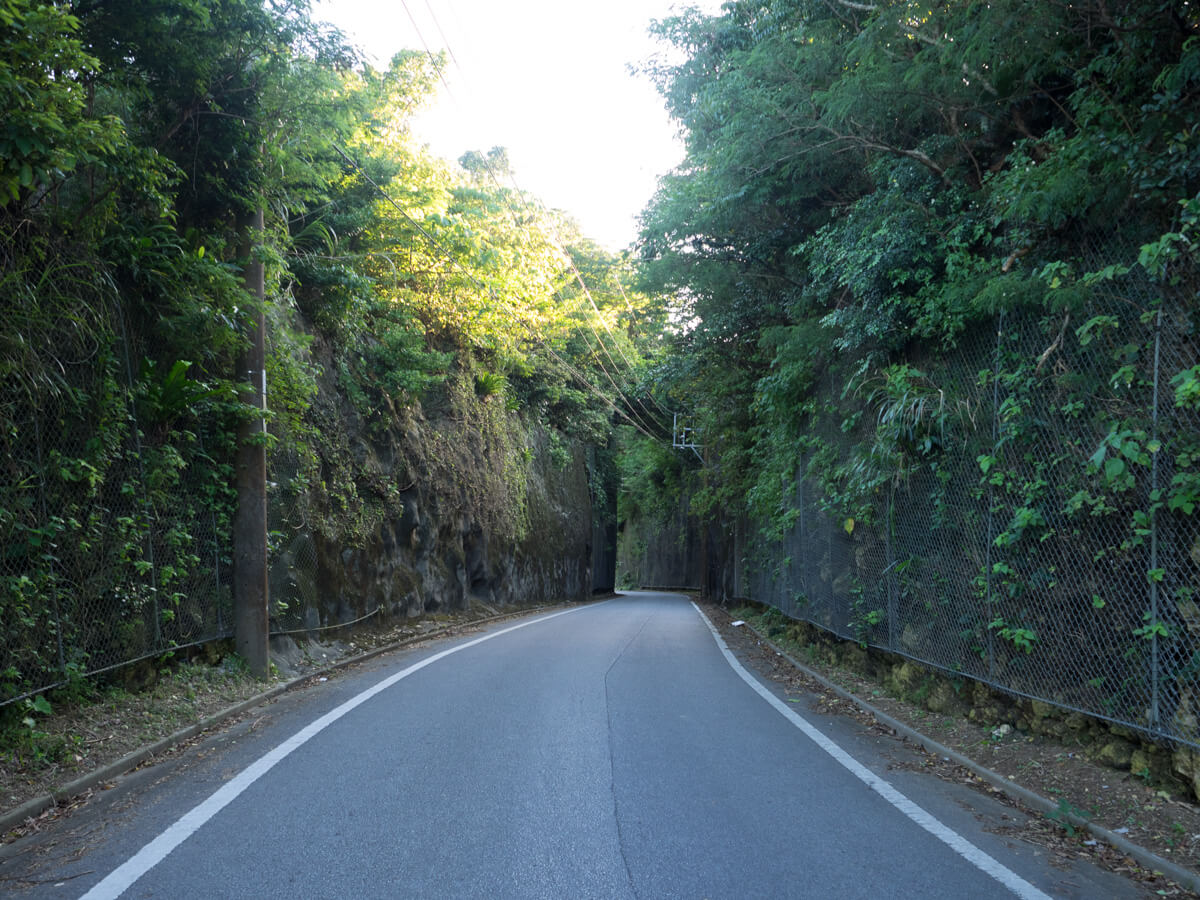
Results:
x,y
1119,801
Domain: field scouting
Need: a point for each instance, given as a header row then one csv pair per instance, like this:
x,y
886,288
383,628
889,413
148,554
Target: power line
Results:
x,y
442,35
632,314
579,277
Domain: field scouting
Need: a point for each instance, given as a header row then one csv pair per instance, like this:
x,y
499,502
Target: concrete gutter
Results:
x,y
1177,873
31,808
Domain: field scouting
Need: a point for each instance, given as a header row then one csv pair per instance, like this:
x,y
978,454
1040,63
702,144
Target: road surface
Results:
x,y
613,750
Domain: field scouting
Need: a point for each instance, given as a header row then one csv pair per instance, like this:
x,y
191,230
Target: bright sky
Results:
x,y
547,79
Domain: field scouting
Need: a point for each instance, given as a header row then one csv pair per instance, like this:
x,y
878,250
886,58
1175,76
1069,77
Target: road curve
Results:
x,y
614,750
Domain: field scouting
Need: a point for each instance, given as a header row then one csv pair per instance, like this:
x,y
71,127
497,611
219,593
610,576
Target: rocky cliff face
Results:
x,y
430,558
662,554
408,511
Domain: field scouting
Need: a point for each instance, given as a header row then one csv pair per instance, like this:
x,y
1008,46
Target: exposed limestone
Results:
x,y
943,698
1186,764
906,676
1117,753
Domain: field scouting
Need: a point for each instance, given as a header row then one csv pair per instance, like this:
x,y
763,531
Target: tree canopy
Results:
x,y
935,270
866,181
136,140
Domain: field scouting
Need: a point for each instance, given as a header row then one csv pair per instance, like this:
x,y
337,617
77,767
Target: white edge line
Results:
x,y
122,878
930,823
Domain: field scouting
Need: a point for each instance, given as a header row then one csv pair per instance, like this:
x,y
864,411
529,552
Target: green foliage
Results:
x,y
162,401
1153,628
1021,637
48,130
1187,388
489,384
560,453
936,273
1066,815
20,735
911,414
652,478
410,304
892,180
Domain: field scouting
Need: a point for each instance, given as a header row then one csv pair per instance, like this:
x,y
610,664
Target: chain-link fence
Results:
x,y
292,573
114,547
1038,532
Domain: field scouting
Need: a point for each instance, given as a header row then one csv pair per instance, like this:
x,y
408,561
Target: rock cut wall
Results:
x,y
416,512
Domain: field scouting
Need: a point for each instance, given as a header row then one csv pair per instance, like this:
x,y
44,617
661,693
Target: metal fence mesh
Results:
x,y
292,573
1046,546
113,546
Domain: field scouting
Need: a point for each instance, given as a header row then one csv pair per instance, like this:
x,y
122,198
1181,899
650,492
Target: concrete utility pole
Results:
x,y
250,592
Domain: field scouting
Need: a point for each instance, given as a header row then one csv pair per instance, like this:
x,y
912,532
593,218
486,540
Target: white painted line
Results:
x,y
934,826
120,879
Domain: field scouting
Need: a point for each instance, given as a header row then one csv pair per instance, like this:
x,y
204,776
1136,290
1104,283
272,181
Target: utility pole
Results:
x,y
250,592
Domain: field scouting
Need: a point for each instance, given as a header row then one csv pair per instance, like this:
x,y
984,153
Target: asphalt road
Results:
x,y
614,750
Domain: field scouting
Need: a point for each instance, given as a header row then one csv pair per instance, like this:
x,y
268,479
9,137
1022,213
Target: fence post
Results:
x,y
147,508
1154,656
250,591
58,621
802,544
991,501
893,598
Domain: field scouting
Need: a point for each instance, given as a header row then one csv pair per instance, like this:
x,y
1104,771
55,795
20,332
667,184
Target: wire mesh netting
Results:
x,y
1038,531
114,546
292,573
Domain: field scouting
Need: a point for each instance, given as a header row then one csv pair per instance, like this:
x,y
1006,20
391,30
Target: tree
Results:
x,y
867,177
49,129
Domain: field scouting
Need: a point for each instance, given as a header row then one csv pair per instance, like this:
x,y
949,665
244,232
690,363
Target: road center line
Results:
x,y
934,826
121,878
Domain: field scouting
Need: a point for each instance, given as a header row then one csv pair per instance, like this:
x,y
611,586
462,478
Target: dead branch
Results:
x,y
1053,346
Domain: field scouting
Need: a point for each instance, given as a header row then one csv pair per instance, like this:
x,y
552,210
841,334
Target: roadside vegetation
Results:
x,y
935,270
405,295
938,260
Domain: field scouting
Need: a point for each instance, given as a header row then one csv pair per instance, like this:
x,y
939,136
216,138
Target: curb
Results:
x,y
1177,873
15,817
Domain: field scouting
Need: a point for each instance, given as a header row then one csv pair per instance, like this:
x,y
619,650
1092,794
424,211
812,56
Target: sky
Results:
x,y
550,81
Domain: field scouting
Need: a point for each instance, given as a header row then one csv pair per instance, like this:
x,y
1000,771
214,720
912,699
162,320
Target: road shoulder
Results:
x,y
1025,772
